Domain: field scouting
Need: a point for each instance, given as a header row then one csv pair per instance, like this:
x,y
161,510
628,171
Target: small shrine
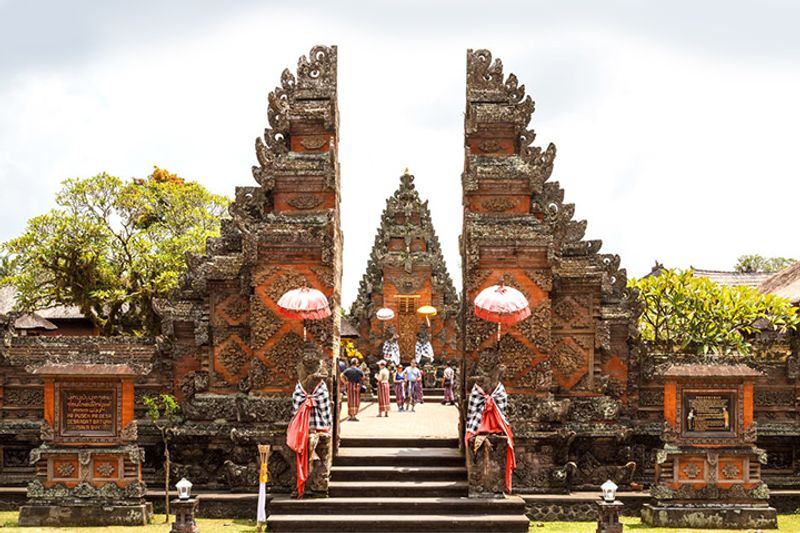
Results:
x,y
708,474
88,468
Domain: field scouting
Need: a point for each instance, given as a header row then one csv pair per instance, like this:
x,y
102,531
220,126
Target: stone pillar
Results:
x,y
184,511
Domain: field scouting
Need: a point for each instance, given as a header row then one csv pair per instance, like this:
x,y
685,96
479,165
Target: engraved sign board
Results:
x,y
88,412
709,413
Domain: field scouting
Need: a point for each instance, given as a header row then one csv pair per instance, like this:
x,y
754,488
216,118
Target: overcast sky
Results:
x,y
676,125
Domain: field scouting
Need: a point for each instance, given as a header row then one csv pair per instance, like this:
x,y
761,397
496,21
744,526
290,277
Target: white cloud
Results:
x,y
671,148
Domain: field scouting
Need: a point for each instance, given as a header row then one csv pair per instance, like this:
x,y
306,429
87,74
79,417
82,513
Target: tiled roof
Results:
x,y
785,283
8,298
733,279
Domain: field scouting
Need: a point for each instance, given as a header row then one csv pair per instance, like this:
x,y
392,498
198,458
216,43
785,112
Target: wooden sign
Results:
x,y
709,413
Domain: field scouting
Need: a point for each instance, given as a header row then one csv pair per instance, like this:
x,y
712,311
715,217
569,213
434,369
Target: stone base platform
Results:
x,y
710,516
85,515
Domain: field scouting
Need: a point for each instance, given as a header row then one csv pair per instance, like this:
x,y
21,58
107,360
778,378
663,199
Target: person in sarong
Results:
x,y
382,383
448,381
413,379
351,379
399,387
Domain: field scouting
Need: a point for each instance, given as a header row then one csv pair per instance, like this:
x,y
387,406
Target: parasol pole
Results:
x,y
498,332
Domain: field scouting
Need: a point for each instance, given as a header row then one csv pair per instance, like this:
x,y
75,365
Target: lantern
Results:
x,y
184,487
609,489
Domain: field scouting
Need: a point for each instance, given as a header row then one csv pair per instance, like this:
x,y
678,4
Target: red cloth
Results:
x,y
383,398
353,398
494,422
297,440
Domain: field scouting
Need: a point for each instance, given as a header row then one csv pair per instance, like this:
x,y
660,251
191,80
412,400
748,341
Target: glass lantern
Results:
x,y
609,489
184,487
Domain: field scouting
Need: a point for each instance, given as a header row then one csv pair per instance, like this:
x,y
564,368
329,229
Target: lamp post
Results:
x,y
184,507
609,509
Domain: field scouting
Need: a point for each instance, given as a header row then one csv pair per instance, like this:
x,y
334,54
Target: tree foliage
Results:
x,y
758,263
111,247
684,313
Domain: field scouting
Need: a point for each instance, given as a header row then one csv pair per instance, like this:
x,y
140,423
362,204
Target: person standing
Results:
x,y
382,383
352,378
399,387
414,380
448,380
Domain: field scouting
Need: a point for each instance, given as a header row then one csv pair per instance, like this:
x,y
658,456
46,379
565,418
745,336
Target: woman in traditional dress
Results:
x,y
382,382
399,387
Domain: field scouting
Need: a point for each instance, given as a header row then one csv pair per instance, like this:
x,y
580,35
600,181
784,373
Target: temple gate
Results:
x,y
566,366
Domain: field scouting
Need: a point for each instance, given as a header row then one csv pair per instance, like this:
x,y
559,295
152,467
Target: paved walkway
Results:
x,y
430,419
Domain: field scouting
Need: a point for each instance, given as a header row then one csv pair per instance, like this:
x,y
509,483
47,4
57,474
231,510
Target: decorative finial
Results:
x,y
405,172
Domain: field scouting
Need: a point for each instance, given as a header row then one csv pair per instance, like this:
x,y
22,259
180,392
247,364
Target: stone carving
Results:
x,y
486,465
66,469
305,201
233,356
498,205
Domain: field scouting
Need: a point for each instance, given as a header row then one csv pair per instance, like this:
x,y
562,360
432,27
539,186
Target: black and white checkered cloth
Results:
x,y
423,351
391,352
477,403
320,416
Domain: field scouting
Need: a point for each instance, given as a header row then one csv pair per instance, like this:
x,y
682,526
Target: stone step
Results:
x,y
398,473
361,506
401,456
397,442
402,489
428,523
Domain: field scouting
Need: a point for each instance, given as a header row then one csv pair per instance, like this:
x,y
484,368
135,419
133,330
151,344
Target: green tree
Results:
x,y
758,263
111,247
684,313
162,410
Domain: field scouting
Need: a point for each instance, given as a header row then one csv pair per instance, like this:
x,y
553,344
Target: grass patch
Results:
x,y
790,522
8,524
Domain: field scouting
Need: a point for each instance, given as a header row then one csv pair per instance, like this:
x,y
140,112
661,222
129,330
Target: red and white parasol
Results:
x,y
501,304
304,304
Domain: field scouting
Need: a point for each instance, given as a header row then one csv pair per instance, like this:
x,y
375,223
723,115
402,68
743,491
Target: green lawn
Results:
x,y
785,523
8,523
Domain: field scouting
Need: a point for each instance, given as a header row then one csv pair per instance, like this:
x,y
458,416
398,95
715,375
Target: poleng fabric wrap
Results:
x,y
309,410
486,414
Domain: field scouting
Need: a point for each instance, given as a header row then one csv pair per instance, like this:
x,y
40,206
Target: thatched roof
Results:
x,y
8,299
785,284
348,330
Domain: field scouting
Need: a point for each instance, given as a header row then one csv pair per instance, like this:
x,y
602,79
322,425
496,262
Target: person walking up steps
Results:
x,y
448,379
414,380
352,378
399,387
382,379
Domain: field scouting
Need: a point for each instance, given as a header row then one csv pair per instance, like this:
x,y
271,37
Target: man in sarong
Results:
x,y
399,387
413,379
382,383
448,381
351,379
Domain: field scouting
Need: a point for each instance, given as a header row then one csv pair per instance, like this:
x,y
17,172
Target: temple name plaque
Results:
x,y
88,412
709,412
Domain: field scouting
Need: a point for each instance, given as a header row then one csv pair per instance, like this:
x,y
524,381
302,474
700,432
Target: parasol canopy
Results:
x,y
304,304
384,314
427,311
501,304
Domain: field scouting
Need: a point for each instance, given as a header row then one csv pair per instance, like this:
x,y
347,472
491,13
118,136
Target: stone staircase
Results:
x,y
398,484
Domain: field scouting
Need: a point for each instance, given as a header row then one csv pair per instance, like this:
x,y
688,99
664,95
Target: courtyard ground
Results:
x,y
430,419
8,523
